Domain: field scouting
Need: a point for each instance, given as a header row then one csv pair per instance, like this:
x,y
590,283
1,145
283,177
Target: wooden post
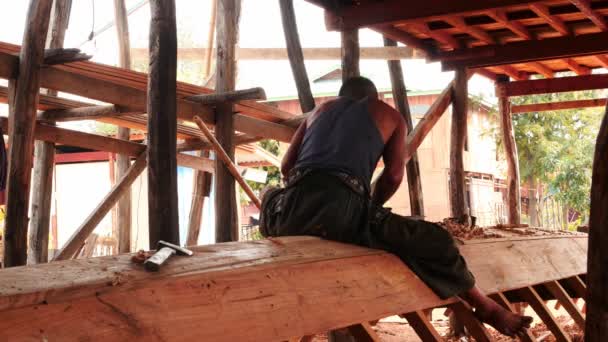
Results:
x,y
350,54
118,190
21,132
228,14
508,137
296,58
210,39
458,136
44,157
596,328
123,162
401,102
162,124
201,187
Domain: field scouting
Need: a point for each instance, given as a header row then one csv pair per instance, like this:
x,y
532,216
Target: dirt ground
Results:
x,y
396,329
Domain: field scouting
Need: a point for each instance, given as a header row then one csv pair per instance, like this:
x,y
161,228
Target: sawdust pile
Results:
x,y
541,332
465,231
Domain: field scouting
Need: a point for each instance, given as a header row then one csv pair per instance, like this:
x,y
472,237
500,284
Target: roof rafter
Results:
x,y
514,73
577,68
441,37
515,26
555,22
458,22
542,69
585,7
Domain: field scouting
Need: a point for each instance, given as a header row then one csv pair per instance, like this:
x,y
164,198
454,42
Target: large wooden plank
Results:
x,y
22,113
597,278
303,285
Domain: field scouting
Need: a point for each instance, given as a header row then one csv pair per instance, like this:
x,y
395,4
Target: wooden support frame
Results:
x,y
553,106
162,124
502,300
201,189
458,136
91,222
226,220
44,155
464,313
350,54
22,113
213,99
513,181
412,167
566,301
597,293
422,326
296,57
552,85
85,113
531,297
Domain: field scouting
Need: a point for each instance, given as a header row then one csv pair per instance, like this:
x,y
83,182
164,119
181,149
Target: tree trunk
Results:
x,y
123,162
565,210
532,202
457,139
162,124
228,14
21,131
596,328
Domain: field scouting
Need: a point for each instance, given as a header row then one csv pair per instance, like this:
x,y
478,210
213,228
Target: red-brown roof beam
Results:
x,y
500,16
603,60
514,73
576,68
585,7
475,32
441,37
555,22
542,69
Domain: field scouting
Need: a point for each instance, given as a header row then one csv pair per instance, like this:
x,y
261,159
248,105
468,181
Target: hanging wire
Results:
x,y
92,34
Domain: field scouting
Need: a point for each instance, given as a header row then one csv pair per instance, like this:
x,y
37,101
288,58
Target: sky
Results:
x,y
260,26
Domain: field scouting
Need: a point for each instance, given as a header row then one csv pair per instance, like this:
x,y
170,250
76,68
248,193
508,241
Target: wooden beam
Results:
x,y
229,96
201,188
363,332
44,156
464,313
578,286
395,11
85,113
57,135
553,85
22,115
598,19
350,54
525,51
123,214
502,300
225,158
553,106
564,299
603,60
542,69
90,223
296,57
405,38
514,73
475,32
162,125
226,220
442,37
500,16
312,53
458,135
93,296
210,41
531,296
412,167
421,325
596,299
577,68
508,138
543,11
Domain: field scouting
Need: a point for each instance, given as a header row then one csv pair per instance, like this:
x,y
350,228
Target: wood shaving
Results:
x,y
140,256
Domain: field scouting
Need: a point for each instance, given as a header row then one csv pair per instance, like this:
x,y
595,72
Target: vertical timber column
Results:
x,y
508,137
296,57
596,328
228,14
162,124
350,54
457,140
412,167
201,189
21,130
44,157
123,162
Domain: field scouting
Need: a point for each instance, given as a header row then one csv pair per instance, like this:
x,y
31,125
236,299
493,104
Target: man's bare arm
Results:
x,y
394,164
291,156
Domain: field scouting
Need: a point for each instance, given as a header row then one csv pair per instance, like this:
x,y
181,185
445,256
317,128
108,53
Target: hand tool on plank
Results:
x,y
164,251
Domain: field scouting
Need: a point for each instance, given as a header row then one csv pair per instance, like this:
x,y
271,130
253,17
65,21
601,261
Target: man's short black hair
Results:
x,y
358,88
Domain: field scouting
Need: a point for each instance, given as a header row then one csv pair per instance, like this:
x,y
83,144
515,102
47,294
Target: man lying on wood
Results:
x,y
328,169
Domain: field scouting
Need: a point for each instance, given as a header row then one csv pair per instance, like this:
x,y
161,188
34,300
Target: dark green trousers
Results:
x,y
321,205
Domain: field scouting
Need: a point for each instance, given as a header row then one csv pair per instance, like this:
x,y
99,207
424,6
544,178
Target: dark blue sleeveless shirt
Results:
x,y
343,138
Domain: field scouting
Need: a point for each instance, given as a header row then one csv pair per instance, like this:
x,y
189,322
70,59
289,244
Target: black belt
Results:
x,y
352,182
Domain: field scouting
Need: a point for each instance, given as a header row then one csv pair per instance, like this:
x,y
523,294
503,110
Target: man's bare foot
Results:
x,y
506,322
